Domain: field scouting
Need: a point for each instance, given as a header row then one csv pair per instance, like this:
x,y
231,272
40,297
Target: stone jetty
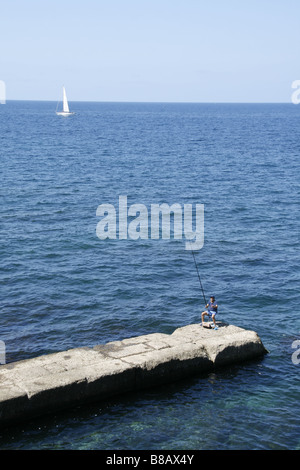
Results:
x,y
53,382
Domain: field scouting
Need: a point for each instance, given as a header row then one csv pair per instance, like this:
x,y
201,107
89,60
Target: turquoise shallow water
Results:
x,y
62,287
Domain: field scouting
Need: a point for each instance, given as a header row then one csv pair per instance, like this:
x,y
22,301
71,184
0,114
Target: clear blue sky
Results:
x,y
150,50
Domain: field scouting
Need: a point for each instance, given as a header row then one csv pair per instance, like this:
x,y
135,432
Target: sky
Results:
x,y
150,50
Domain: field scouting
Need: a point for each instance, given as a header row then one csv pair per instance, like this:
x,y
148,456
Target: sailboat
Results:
x,y
65,111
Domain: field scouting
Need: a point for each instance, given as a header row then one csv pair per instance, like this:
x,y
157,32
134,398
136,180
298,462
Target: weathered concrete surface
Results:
x,y
48,383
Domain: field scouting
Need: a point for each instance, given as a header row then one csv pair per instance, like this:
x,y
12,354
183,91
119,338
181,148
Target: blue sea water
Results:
x,y
62,287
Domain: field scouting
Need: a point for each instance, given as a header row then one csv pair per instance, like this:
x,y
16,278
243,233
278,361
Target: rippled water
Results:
x,y
62,287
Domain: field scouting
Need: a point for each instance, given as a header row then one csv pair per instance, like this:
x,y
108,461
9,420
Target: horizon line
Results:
x,y
156,102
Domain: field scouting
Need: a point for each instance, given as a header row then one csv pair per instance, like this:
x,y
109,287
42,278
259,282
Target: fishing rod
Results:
x,y
199,276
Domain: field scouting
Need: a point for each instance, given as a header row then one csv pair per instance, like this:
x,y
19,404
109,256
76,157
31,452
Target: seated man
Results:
x,y
212,310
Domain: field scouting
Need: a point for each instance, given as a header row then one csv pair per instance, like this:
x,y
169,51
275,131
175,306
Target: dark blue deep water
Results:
x,y
62,287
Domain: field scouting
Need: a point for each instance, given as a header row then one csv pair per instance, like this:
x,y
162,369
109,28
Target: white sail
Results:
x,y
65,111
65,102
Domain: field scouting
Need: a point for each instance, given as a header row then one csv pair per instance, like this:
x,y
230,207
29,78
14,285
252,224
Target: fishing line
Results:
x,y
198,276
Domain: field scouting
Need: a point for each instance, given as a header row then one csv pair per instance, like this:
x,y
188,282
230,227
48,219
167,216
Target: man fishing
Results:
x,y
212,306
212,310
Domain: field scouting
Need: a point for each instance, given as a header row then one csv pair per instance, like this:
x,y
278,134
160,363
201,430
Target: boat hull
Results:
x,y
62,113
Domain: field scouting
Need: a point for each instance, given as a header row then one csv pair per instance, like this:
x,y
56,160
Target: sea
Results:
x,y
63,287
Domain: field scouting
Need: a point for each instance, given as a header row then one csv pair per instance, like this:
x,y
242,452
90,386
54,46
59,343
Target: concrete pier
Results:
x,y
56,381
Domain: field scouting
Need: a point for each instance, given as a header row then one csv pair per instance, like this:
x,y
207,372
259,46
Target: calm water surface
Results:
x,y
62,287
